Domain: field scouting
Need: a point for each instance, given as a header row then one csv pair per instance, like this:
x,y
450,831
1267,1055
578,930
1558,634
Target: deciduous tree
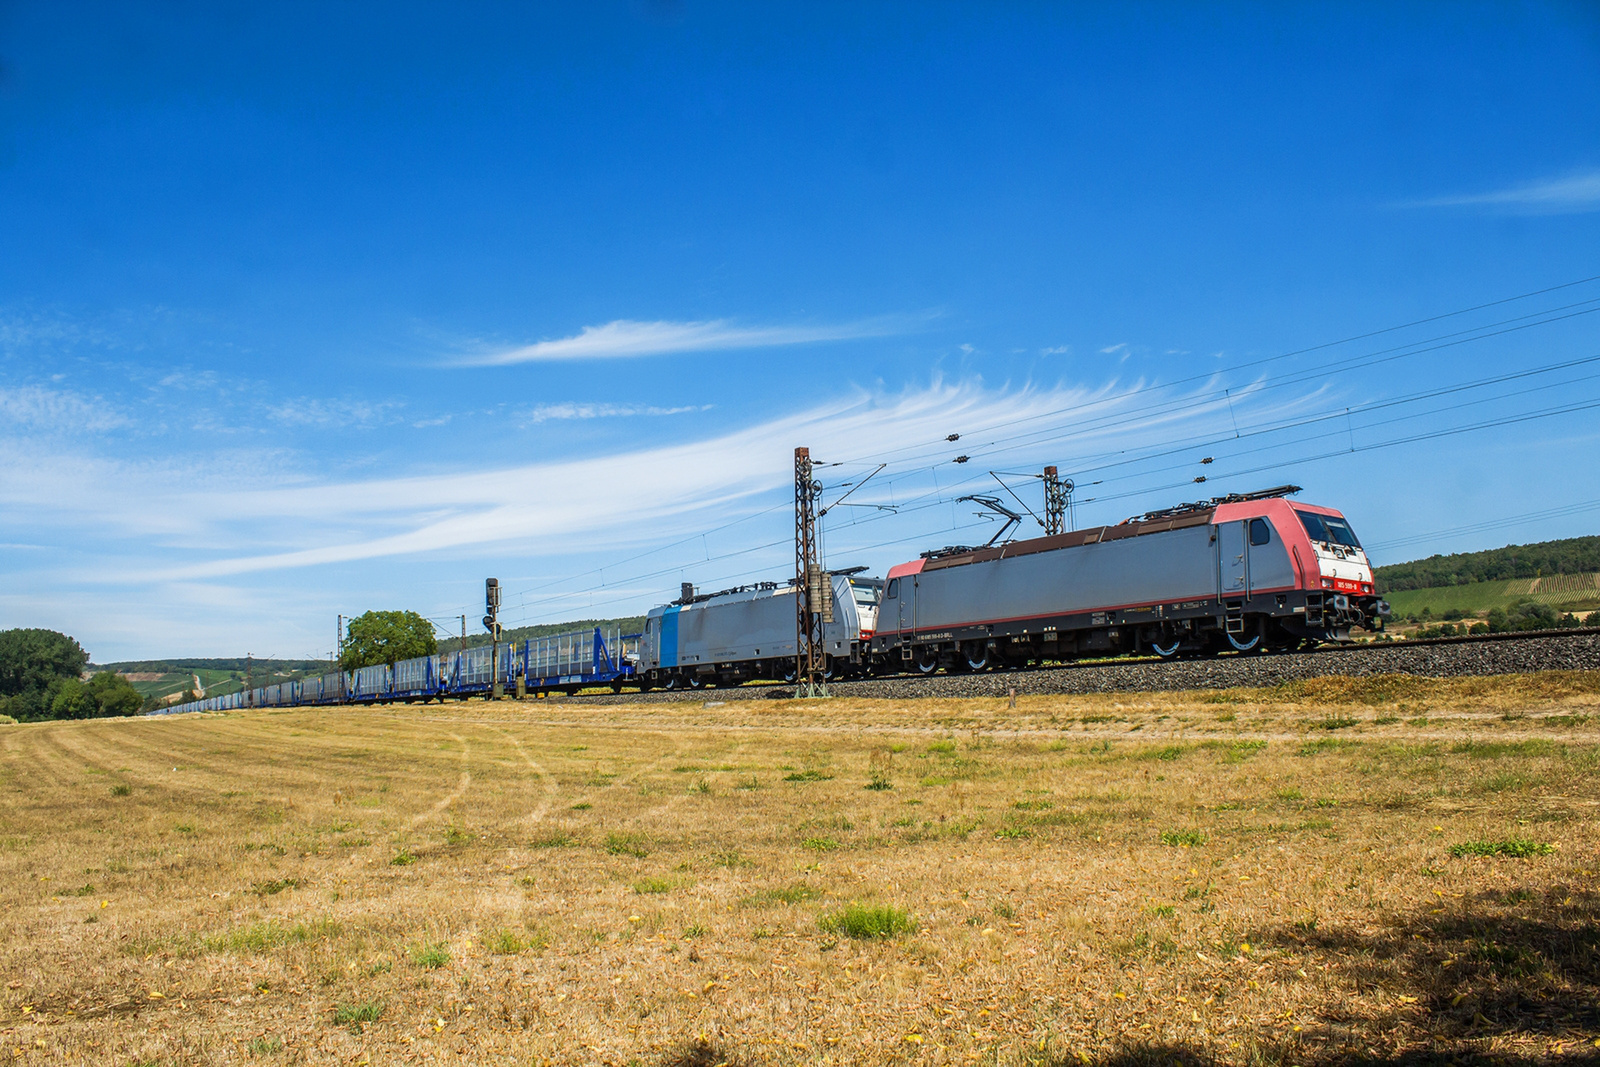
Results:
x,y
386,637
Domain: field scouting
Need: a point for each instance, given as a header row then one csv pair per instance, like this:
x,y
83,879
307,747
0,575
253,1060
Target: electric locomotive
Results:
x,y
1248,572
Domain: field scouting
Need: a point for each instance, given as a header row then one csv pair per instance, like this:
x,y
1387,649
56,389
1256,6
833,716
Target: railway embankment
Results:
x,y
1449,658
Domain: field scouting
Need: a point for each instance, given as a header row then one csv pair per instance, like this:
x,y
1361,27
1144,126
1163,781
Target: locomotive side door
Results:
x,y
1233,559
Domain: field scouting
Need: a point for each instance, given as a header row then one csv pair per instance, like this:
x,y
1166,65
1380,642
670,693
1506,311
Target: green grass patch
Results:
x,y
1182,838
267,889
506,943
807,776
353,1015
1502,749
403,857
866,922
820,844
647,886
620,844
430,954
266,936
1516,847
788,894
1324,744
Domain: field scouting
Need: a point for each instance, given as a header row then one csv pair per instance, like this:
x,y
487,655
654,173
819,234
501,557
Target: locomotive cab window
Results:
x,y
894,589
1260,532
1329,528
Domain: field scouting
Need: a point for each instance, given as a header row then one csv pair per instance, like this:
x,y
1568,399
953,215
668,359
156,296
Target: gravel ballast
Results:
x,y
1445,659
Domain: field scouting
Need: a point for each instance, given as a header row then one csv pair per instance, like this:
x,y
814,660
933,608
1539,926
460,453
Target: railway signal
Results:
x,y
491,599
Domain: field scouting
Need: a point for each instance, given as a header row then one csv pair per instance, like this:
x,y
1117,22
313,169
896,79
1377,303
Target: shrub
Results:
x,y
865,922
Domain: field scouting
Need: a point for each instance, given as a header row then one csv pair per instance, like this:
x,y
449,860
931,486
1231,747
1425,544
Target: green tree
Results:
x,y
34,665
114,695
386,637
73,701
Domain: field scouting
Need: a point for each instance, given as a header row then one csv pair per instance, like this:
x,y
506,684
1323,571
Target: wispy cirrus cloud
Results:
x,y
547,412
627,338
1570,194
57,411
316,411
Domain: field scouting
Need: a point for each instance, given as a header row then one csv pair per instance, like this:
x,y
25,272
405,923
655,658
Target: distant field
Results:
x,y
1567,592
1382,867
217,682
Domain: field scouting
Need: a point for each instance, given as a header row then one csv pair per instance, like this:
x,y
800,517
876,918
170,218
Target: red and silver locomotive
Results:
x,y
1248,572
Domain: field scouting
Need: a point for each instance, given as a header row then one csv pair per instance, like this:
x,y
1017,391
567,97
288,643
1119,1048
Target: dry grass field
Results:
x,y
1386,869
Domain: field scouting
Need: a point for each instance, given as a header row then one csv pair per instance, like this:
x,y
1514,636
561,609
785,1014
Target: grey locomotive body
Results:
x,y
1248,574
746,633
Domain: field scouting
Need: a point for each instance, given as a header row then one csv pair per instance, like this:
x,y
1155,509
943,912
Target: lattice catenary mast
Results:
x,y
810,590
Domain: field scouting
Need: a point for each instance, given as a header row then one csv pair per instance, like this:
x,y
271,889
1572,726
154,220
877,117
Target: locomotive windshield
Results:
x,y
866,593
1328,528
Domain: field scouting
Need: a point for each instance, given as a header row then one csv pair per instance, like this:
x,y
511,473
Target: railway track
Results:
x,y
1442,657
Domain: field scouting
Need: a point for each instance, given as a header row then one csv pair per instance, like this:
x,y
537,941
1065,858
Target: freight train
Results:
x,y
1247,573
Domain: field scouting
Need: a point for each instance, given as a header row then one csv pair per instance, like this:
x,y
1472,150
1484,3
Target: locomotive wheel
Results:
x,y
1252,645
977,657
696,681
671,682
927,661
1169,652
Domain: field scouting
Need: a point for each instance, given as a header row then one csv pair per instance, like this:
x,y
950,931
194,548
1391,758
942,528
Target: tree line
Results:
x,y
1573,555
41,677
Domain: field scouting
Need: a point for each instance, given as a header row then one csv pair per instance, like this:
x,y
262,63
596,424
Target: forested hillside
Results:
x,y
1574,555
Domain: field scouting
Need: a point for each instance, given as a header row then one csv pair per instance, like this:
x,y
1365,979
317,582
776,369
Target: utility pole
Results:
x,y
491,599
813,589
248,663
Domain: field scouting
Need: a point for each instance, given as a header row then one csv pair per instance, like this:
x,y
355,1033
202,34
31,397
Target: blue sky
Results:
x,y
306,310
